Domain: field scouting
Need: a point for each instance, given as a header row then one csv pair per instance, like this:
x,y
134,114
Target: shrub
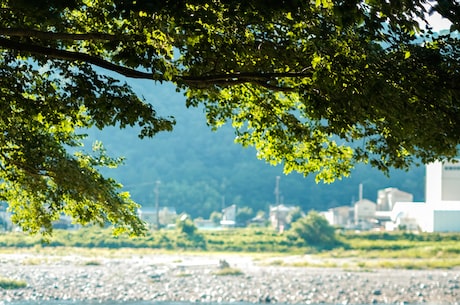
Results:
x,y
11,284
228,271
92,263
295,214
244,215
314,230
216,217
186,225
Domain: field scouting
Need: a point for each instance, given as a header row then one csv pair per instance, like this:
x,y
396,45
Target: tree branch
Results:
x,y
21,166
245,76
259,78
74,56
203,81
55,36
274,87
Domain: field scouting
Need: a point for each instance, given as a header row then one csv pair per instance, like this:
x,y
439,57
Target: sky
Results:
x,y
437,22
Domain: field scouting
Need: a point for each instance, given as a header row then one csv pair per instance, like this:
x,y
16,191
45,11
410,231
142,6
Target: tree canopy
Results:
x,y
318,86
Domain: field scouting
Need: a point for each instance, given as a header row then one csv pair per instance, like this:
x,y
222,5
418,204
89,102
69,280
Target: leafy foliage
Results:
x,y
6,283
186,226
316,86
244,215
295,214
228,271
314,230
189,237
215,217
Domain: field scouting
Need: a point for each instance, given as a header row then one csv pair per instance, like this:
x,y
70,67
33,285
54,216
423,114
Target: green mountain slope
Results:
x,y
201,171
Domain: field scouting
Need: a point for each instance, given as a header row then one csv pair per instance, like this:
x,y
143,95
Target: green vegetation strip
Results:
x,y
228,271
349,251
11,284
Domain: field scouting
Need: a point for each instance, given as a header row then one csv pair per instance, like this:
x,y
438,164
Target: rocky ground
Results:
x,y
193,278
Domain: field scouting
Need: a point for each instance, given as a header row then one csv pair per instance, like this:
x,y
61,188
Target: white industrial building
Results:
x,y
387,198
364,211
441,210
395,209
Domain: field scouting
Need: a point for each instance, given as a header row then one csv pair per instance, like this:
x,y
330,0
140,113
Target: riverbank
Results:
x,y
194,278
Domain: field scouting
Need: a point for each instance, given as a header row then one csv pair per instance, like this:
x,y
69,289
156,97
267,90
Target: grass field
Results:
x,y
355,251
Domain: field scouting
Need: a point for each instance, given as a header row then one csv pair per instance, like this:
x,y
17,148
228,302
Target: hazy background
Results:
x,y
201,171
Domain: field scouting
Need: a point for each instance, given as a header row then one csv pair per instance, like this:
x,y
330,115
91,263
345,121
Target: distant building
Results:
x,y
259,221
205,224
342,216
5,219
364,213
443,183
279,216
387,198
442,197
408,216
166,215
229,217
441,211
395,209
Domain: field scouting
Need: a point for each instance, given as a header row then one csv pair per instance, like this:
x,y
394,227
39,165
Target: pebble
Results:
x,y
161,278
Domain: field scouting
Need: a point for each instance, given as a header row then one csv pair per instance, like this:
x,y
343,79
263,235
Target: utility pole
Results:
x,y
157,203
277,190
223,195
277,200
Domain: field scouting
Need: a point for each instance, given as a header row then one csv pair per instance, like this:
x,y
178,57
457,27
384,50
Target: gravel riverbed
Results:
x,y
192,278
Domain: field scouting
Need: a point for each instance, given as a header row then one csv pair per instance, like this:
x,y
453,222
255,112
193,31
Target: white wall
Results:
x,y
450,188
446,221
419,211
442,182
441,213
364,209
433,183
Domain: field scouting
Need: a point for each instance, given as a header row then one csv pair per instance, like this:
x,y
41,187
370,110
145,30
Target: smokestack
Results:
x,y
360,191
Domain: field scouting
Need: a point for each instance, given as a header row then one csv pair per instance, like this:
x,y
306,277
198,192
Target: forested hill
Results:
x,y
201,171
